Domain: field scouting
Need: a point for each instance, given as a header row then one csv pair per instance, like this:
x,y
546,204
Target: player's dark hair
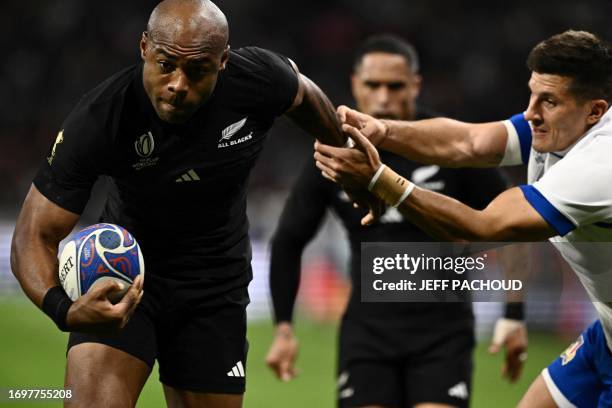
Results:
x,y
579,55
388,43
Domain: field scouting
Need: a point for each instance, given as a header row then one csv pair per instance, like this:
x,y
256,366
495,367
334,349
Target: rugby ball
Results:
x,y
96,254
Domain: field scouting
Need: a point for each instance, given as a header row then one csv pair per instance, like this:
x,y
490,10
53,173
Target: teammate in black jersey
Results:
x,y
390,354
177,137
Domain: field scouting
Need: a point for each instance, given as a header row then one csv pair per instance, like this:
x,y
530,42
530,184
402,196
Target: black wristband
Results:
x,y
515,311
55,305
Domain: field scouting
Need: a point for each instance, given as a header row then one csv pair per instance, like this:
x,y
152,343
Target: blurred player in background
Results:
x,y
178,136
565,138
390,354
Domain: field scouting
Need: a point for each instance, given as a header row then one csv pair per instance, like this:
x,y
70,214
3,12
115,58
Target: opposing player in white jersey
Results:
x,y
565,137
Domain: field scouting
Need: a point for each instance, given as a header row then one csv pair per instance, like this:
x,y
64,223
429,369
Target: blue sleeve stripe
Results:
x,y
524,134
553,217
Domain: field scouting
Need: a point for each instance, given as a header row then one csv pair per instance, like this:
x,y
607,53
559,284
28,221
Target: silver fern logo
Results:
x,y
422,177
231,130
145,145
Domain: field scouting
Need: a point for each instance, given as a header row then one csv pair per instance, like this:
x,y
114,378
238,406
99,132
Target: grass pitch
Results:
x,y
32,355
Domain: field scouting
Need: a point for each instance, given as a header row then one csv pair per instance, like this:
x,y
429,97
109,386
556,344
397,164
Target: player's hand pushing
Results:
x,y
374,129
351,167
95,313
283,353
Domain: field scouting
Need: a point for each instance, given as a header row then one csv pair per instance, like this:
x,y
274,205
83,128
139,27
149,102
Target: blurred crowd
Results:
x,y
472,59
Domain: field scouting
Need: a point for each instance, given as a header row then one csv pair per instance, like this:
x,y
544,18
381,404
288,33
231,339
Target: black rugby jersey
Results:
x,y
179,189
305,209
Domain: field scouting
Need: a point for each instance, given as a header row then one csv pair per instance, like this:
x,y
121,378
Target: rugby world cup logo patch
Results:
x,y
144,145
569,354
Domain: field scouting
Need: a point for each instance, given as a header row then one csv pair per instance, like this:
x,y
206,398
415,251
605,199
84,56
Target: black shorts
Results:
x,y
199,348
398,368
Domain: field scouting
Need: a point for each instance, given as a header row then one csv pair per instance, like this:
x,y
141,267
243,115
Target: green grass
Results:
x,y
32,354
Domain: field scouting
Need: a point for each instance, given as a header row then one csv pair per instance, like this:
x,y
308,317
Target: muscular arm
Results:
x,y
40,228
442,141
447,142
509,217
313,112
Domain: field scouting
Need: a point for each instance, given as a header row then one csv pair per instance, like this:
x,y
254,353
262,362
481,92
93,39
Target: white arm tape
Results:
x,y
503,327
512,154
376,177
405,194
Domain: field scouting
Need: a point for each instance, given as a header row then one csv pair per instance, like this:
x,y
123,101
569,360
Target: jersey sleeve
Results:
x,y
279,76
300,220
518,144
576,190
74,162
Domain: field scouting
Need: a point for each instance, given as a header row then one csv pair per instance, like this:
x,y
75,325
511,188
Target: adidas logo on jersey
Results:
x,y
459,390
237,370
191,175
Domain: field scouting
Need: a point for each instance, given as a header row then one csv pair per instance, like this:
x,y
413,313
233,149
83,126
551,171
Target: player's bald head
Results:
x,y
189,24
183,50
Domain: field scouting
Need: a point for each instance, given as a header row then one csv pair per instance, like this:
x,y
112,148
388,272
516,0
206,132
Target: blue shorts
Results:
x,y
582,376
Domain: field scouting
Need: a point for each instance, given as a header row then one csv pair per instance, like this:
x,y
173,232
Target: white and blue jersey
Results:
x,y
572,191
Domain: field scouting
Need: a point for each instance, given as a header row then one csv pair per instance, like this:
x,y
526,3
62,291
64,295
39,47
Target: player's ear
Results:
x,y
143,45
224,57
417,82
598,108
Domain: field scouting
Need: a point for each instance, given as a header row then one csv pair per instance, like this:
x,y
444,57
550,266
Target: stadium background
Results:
x,y
472,59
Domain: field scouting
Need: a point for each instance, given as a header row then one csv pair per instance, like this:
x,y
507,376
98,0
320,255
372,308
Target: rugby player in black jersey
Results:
x,y
177,136
390,354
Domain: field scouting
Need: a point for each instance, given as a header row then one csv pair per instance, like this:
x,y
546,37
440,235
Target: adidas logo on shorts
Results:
x,y
237,370
459,390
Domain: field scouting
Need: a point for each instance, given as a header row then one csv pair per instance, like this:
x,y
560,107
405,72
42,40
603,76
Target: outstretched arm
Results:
x,y
313,112
441,141
509,217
